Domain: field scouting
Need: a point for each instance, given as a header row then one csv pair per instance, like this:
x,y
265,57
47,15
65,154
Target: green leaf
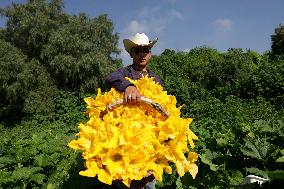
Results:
x,y
236,178
5,177
257,148
207,158
179,183
222,141
258,172
182,184
38,178
281,159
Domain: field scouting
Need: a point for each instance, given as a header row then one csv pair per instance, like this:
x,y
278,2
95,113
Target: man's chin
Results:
x,y
142,63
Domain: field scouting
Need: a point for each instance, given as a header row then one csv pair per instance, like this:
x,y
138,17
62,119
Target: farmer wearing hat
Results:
x,y
139,49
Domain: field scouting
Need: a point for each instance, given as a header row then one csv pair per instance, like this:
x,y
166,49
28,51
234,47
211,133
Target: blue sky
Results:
x,y
184,24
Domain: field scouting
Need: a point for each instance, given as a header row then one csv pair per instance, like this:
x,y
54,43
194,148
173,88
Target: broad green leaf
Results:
x,y
207,158
281,159
179,183
236,178
257,148
257,172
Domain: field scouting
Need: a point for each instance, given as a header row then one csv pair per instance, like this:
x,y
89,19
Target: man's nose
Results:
x,y
143,54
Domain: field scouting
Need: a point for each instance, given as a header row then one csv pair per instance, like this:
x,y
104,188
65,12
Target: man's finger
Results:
x,y
129,98
138,97
133,98
125,97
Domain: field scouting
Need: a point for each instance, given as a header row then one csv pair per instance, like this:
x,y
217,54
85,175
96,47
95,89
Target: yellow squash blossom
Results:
x,y
129,141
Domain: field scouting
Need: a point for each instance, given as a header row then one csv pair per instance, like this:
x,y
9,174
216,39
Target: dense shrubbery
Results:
x,y
44,50
50,60
204,72
236,100
35,155
25,85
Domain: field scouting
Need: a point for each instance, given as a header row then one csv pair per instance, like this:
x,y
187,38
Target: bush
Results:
x,y
235,101
37,157
78,55
237,138
25,86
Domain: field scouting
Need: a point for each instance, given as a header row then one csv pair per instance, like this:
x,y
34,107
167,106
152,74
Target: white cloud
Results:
x,y
223,24
135,26
152,20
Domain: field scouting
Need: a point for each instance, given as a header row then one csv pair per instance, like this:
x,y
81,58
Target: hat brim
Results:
x,y
128,44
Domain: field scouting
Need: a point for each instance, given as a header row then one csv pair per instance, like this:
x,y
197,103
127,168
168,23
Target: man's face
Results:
x,y
141,55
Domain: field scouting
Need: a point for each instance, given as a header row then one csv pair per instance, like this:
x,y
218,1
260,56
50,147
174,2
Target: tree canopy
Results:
x,y
50,48
25,85
277,40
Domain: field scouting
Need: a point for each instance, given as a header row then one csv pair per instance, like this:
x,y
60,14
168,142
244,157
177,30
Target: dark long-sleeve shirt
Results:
x,y
118,81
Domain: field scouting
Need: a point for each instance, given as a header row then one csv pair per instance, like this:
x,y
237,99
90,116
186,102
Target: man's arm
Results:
x,y
158,80
117,80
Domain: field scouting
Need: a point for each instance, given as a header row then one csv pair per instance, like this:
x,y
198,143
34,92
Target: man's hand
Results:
x,y
132,95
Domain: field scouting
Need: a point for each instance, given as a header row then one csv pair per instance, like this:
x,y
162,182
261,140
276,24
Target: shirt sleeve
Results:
x,y
117,80
156,77
158,80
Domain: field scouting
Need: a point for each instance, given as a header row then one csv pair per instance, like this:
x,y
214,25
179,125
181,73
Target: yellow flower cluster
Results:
x,y
129,141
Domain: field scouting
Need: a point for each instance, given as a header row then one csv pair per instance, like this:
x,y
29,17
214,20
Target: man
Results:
x,y
139,49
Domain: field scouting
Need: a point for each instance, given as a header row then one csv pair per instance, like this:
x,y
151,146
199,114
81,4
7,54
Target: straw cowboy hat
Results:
x,y
139,39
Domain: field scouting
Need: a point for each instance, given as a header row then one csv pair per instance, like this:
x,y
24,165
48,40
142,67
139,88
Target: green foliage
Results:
x,y
30,25
44,49
237,138
267,81
37,157
236,102
226,69
69,108
78,54
204,72
25,86
277,40
75,50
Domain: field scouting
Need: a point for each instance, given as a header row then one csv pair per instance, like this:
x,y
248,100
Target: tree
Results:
x,y
25,85
75,50
30,25
78,55
277,40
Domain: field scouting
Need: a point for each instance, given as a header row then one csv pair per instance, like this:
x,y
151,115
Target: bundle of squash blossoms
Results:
x,y
131,140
